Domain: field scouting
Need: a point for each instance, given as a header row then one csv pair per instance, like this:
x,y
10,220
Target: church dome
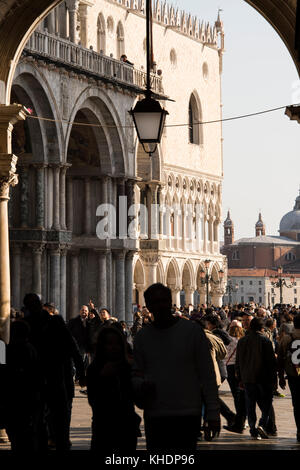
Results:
x,y
290,222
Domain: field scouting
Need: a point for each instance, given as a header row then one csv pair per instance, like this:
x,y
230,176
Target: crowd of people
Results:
x,y
170,362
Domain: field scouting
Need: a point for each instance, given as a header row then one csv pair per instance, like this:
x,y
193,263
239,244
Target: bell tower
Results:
x,y
260,229
228,230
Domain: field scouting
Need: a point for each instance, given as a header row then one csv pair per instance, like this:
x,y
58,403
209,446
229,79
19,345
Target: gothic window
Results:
x,y
110,25
290,257
101,40
195,117
235,254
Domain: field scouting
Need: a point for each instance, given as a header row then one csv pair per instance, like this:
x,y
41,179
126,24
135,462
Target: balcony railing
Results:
x,y
67,53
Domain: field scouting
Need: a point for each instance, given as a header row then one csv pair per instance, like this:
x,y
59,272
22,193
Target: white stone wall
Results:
x,y
180,80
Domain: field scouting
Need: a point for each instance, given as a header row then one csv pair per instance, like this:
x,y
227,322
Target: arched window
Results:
x,y
101,40
120,40
195,116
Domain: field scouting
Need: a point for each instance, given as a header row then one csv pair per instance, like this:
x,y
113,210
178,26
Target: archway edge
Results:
x,y
281,14
23,17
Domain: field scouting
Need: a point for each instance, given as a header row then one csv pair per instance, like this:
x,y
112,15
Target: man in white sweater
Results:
x,y
173,375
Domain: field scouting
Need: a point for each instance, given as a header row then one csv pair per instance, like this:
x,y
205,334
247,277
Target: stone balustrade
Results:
x,y
64,52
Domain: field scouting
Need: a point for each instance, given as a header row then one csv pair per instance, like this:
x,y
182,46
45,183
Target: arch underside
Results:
x,y
22,18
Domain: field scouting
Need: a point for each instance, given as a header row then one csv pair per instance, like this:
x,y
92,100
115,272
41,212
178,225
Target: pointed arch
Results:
x,y
195,117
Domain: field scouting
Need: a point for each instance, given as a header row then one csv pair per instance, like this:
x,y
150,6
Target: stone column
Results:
x,y
83,24
150,261
40,195
37,251
63,282
153,211
24,190
62,196
72,6
176,296
121,220
51,22
62,15
217,297
70,203
16,252
87,228
130,201
9,115
102,278
56,197
74,290
128,286
119,287
55,275
189,295
140,288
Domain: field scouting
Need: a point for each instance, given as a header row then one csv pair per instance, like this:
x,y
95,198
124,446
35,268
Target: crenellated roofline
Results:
x,y
178,20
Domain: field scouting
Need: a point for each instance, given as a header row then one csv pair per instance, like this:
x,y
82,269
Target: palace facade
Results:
x,y
77,150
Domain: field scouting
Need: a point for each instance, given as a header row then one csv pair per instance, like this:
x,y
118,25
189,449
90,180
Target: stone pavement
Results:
x,y
286,440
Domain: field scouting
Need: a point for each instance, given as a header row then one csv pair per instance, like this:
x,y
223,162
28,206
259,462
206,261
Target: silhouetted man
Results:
x,y
173,374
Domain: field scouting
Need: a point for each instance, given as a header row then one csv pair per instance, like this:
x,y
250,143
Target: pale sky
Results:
x,y
261,154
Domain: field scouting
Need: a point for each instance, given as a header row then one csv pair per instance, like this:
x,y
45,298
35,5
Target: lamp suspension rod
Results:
x,y
148,32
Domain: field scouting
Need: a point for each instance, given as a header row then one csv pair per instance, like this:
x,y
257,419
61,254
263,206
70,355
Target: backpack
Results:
x,y
292,357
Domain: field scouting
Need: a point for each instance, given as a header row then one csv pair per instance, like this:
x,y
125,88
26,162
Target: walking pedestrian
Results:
x,y
256,369
173,375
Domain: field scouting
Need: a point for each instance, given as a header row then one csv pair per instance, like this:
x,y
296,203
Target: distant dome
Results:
x,y
290,222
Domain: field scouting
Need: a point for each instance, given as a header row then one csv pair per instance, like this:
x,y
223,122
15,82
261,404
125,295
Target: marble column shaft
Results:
x,y
72,24
9,115
87,215
40,195
102,278
55,276
63,282
128,287
74,291
56,197
16,251
37,251
120,285
62,197
70,203
24,191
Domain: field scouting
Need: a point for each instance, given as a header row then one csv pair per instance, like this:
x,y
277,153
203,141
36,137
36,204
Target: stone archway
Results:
x,y
139,283
188,283
22,18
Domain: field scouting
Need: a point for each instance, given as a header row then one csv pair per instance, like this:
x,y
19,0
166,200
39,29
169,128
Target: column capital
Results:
x,y
150,258
119,254
54,248
39,165
8,176
130,254
37,248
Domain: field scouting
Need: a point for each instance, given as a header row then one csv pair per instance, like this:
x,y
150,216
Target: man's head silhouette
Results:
x,y
158,300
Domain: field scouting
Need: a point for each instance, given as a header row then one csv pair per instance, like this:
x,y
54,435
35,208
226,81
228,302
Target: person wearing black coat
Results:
x,y
56,352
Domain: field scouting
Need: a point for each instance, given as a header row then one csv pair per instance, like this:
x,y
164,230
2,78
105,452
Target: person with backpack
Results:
x,y
288,356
